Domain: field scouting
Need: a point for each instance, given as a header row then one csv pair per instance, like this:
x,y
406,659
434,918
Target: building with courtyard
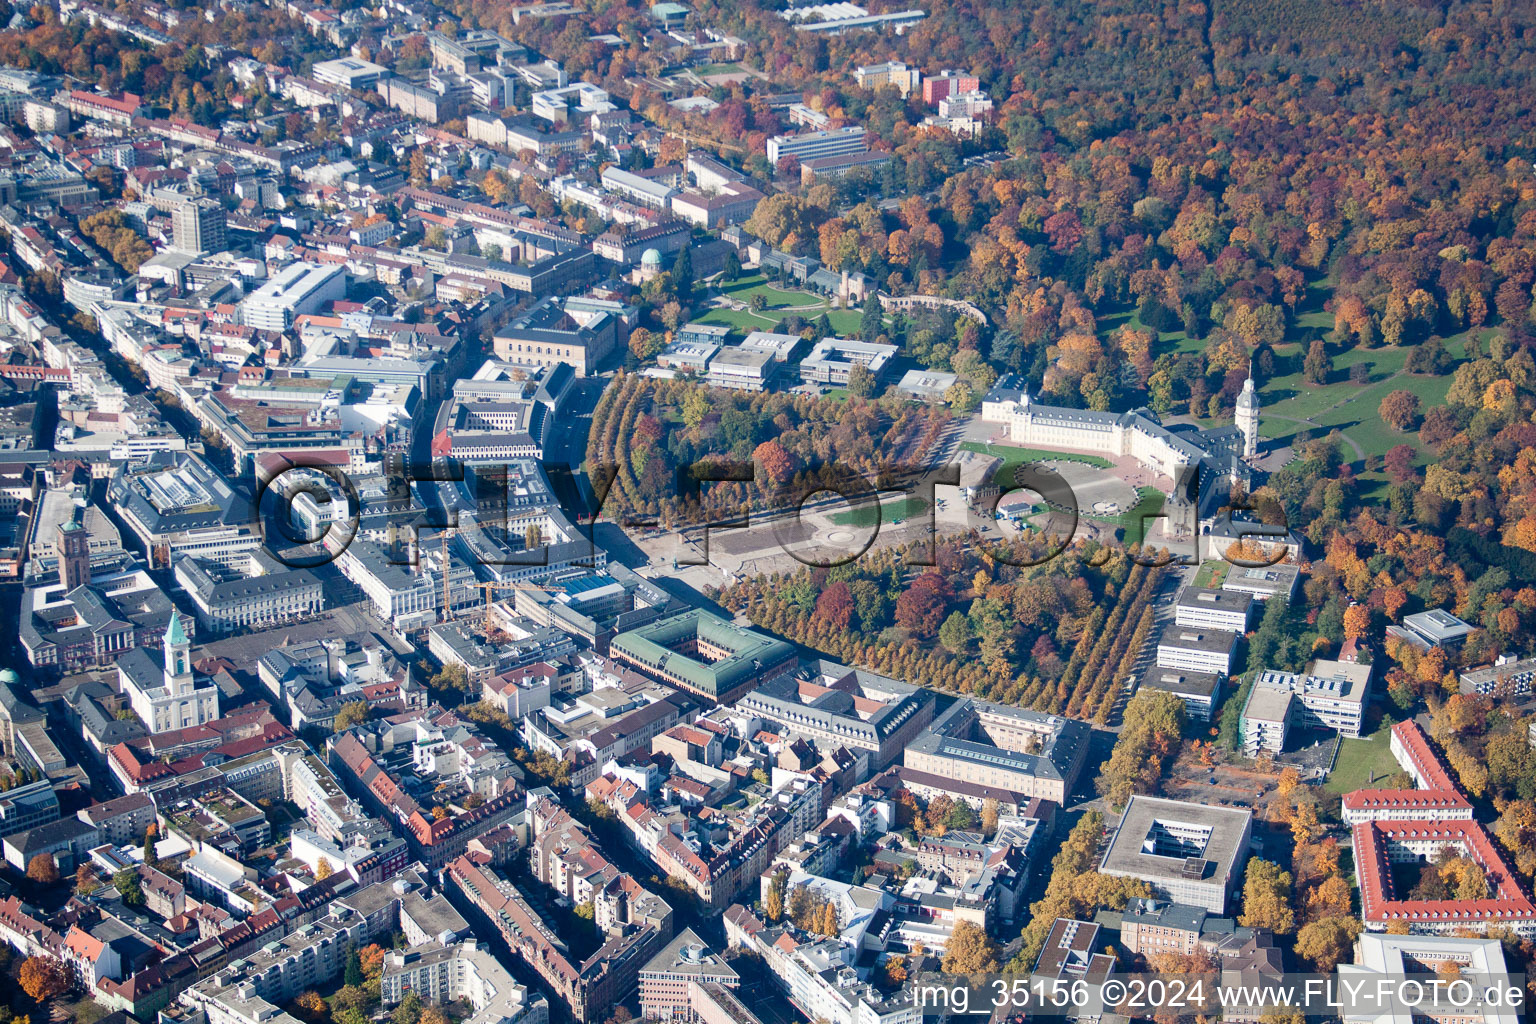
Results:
x,y
704,654
1188,853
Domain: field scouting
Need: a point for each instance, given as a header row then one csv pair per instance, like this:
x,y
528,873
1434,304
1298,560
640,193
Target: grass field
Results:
x,y
1349,407
1149,503
779,305
1364,761
890,511
742,290
1211,575
844,323
1012,457
718,69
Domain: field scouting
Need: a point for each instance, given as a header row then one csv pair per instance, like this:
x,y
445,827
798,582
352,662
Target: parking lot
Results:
x,y
1232,786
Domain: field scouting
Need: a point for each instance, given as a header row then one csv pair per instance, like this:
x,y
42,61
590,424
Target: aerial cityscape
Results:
x,y
767,512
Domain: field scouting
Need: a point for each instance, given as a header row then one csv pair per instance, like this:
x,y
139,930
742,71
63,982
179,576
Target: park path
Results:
x,y
1359,452
1312,422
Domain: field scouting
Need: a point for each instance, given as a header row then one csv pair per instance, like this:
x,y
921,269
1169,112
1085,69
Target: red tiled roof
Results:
x,y
1425,761
1406,799
1372,840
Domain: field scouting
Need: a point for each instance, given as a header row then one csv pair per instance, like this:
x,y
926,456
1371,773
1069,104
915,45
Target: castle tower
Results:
x,y
74,547
1248,415
178,657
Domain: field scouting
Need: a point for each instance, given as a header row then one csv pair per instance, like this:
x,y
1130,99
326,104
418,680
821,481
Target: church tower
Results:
x,y
74,547
178,657
1248,415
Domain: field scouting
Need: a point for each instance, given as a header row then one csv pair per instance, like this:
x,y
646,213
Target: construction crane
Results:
x,y
498,585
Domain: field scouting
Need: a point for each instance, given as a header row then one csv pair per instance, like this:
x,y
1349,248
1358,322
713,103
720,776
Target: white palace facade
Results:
x,y
1173,452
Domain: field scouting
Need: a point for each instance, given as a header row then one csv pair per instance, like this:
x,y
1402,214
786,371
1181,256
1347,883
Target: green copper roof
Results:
x,y
656,644
174,634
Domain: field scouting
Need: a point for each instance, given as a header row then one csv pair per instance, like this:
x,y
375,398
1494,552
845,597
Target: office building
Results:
x,y
349,73
1203,608
833,359
704,654
669,982
1434,628
1329,695
807,145
741,369
1003,747
1262,582
27,806
1188,853
729,203
300,288
176,504
1200,691
580,333
1196,650
841,706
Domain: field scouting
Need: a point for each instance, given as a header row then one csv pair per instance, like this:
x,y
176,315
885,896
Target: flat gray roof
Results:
x,y
1225,842
1195,638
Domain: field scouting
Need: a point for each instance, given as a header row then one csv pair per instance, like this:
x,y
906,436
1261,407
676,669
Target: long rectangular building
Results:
x,y
1004,747
842,706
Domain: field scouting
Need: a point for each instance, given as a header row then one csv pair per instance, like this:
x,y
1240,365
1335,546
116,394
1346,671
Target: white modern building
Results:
x,y
1204,608
806,145
1329,695
299,289
833,359
1389,959
350,73
1196,650
581,99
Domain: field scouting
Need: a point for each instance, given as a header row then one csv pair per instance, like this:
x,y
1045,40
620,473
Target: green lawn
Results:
x,y
1134,521
844,322
1013,456
718,69
1349,407
1211,575
745,321
890,511
1364,762
744,288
